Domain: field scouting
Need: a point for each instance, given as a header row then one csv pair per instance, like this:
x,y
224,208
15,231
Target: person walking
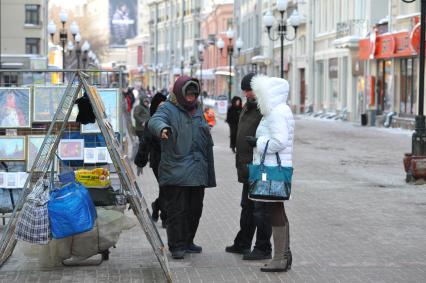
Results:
x,y
150,150
277,130
141,115
252,217
232,118
186,166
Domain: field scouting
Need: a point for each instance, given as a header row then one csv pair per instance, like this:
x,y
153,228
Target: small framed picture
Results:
x,y
34,143
11,180
3,179
71,149
12,148
15,107
90,155
109,97
102,155
22,178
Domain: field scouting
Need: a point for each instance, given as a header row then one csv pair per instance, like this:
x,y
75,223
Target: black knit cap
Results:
x,y
245,82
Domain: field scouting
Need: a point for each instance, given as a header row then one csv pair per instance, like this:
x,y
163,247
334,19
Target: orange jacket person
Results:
x,y
210,116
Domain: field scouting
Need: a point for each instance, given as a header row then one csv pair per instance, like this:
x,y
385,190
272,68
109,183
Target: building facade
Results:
x,y
174,29
23,37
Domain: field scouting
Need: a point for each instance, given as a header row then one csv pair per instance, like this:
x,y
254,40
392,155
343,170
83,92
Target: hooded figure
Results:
x,y
186,165
141,115
277,127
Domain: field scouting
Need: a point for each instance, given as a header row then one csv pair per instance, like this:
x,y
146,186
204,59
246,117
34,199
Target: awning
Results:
x,y
260,59
208,74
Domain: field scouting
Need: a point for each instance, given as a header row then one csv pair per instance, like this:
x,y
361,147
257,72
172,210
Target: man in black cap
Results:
x,y
253,214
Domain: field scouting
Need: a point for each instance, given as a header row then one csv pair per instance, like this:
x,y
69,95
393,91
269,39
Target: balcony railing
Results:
x,y
357,28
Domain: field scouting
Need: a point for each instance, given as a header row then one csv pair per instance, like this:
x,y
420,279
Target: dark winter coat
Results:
x,y
232,118
249,120
141,114
187,155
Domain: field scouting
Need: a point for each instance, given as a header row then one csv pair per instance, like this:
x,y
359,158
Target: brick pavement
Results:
x,y
352,217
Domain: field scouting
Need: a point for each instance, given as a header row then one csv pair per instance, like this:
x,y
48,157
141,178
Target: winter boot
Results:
x,y
281,262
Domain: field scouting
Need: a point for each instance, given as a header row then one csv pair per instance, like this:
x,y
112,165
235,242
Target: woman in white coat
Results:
x,y
277,127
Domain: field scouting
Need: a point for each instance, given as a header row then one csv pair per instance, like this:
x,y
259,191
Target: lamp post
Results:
x,y
63,34
182,65
191,65
201,59
418,140
78,49
85,48
293,20
239,44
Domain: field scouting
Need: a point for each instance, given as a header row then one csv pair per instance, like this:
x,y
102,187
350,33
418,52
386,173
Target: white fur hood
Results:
x,y
270,92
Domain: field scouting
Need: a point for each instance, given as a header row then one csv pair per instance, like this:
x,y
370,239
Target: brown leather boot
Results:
x,y
281,262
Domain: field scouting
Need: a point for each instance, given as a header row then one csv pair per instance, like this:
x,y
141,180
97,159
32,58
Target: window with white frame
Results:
x,y
32,14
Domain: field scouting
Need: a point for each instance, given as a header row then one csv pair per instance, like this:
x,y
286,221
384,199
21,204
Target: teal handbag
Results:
x,y
269,182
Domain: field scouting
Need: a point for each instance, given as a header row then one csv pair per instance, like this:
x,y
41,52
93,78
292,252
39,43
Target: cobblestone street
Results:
x,y
352,218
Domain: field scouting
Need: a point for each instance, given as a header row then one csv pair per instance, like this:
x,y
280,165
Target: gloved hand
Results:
x,y
251,141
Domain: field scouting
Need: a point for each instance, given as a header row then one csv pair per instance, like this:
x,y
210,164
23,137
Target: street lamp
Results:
x,y
201,59
85,48
63,34
191,64
281,29
418,140
182,65
78,49
239,44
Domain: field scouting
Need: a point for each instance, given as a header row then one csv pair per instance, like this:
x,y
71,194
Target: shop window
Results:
x,y
408,87
383,86
32,45
32,14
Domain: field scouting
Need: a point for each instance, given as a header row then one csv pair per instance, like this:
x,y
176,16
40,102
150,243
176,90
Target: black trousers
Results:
x,y
184,209
254,215
160,201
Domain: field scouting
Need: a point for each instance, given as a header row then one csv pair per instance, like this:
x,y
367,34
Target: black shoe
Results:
x,y
194,249
256,254
236,250
155,212
178,254
164,224
233,149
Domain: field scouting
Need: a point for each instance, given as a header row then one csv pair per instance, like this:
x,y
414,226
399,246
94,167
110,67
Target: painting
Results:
x,y
34,143
71,149
12,148
46,102
15,108
12,180
109,97
102,155
3,179
90,155
22,178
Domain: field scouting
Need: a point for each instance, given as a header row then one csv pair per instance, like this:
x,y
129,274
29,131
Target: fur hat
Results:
x,y
246,82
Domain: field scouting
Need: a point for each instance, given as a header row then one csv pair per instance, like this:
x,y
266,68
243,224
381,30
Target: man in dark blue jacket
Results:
x,y
186,165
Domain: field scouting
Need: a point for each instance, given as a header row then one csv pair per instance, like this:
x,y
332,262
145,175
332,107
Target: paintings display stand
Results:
x,y
121,163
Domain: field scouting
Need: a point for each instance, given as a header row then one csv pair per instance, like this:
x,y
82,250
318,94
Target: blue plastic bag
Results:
x,y
71,211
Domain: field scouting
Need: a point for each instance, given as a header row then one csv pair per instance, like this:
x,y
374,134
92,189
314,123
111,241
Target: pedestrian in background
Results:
x,y
186,165
277,127
253,214
141,116
210,116
150,150
232,118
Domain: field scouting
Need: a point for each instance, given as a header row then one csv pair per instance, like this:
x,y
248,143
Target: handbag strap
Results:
x,y
262,161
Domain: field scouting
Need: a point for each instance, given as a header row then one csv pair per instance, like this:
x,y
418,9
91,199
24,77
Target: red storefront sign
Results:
x,y
385,46
400,44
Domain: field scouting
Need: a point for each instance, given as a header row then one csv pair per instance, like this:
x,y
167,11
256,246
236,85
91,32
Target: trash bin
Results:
x,y
364,120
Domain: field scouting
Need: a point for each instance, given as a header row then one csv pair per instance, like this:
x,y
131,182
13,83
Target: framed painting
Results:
x,y
90,155
12,148
15,107
71,149
11,180
34,143
102,155
3,179
22,178
46,102
109,97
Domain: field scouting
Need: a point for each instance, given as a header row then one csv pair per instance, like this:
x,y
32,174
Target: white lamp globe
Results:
x,y
220,44
239,43
230,33
51,27
282,5
63,16
268,19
